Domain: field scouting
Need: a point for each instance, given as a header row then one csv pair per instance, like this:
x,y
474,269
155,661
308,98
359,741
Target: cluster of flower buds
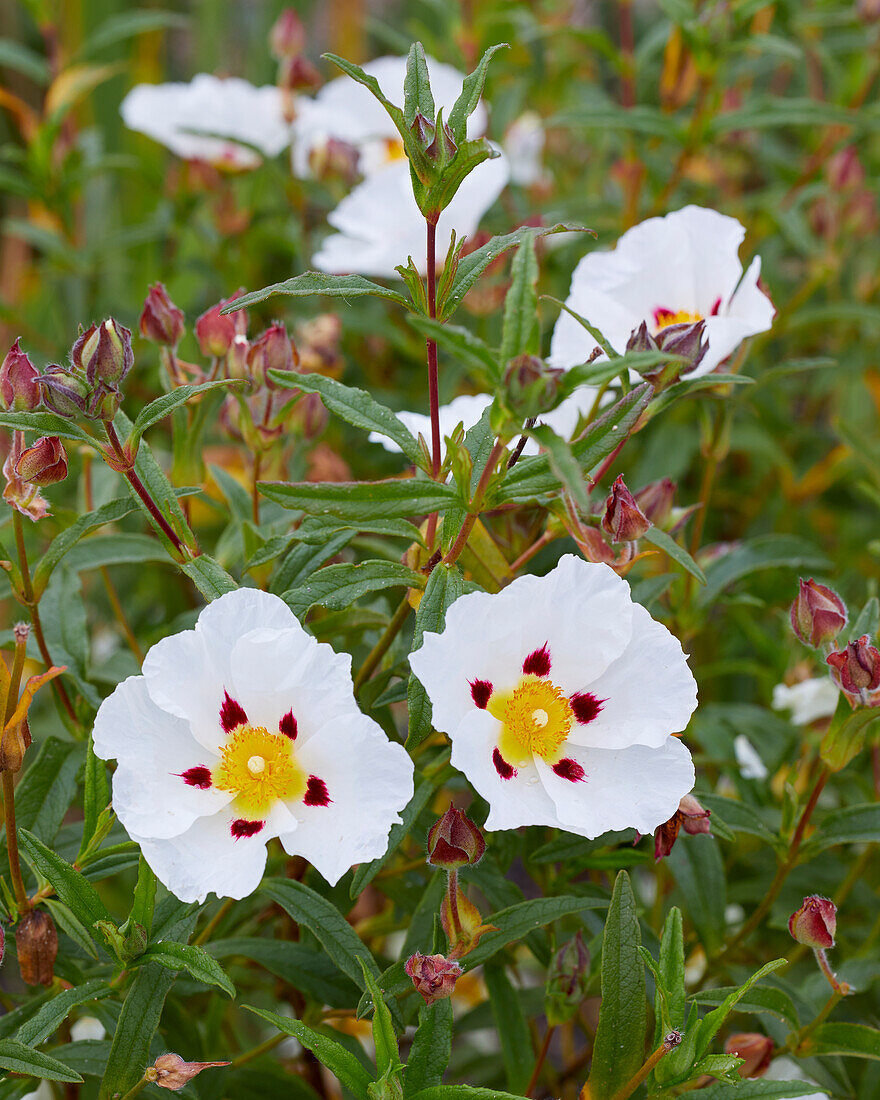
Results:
x,y
170,1071
756,1051
161,321
100,360
818,614
689,816
36,944
684,341
567,981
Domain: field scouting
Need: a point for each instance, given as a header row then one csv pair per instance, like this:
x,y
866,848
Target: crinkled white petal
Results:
x,y
379,224
153,749
687,260
649,691
465,409
632,788
207,858
751,766
582,610
524,145
369,780
231,108
808,700
346,111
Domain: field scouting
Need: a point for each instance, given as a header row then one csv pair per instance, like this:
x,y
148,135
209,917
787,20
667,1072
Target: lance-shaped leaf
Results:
x,y
417,97
72,888
471,91
160,408
337,586
18,1058
390,499
187,956
520,333
445,585
311,283
111,512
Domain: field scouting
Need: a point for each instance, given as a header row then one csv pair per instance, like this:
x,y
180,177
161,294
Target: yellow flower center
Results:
x,y
259,768
394,150
536,717
665,317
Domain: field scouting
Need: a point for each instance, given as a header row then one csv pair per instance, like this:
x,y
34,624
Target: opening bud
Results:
x,y
567,981
161,321
423,130
531,386
65,392
270,351
170,1071
689,816
623,519
455,841
36,944
684,340
298,74
818,614
443,148
434,976
856,668
215,331
43,463
815,923
287,38
19,388
756,1051
103,352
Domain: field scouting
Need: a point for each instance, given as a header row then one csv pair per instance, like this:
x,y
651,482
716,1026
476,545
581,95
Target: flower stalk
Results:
x,y
21,636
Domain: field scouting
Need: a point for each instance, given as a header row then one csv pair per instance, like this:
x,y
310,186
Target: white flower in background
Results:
x,y
673,270
468,408
786,1069
524,145
240,730
87,1027
808,700
379,224
346,111
561,705
179,115
751,766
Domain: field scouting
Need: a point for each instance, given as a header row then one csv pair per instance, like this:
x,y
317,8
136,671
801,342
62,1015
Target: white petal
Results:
x,y
153,749
751,765
207,858
369,779
466,409
649,691
807,700
633,788
583,611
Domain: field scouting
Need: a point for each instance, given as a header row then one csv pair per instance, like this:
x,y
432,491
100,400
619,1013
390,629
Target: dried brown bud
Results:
x,y
434,976
44,462
689,816
170,1071
36,943
623,519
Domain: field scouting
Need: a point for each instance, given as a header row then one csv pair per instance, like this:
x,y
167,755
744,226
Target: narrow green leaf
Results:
x,y
516,921
50,1017
18,1058
47,788
512,1028
758,1090
462,1092
20,58
417,97
130,1050
316,282
186,956
564,465
384,1038
762,552
671,967
71,887
209,577
774,1001
853,1040
851,825
336,587
520,332
391,499
668,545
445,585
96,795
471,91
72,926
45,423
144,902
845,737
711,1023
431,1048
160,408
300,966
112,512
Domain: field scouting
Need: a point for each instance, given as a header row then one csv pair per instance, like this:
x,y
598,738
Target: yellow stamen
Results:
x,y
394,150
259,768
665,317
536,720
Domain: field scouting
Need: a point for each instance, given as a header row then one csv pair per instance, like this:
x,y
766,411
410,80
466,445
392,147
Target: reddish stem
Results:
x,y
141,490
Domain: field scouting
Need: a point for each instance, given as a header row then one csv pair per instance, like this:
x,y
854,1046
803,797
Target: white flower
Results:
x,y
785,1069
680,268
524,145
808,700
559,695
751,766
344,110
87,1027
468,408
380,224
232,109
240,730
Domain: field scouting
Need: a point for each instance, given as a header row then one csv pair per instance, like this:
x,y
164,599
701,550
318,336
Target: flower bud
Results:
x,y
334,159
756,1051
685,340
443,148
856,668
65,392
215,331
104,353
170,1071
655,501
105,402
287,38
423,130
530,386
298,74
43,463
270,351
689,816
568,980
818,614
623,519
19,389
454,841
434,976
237,357
36,943
815,923
161,321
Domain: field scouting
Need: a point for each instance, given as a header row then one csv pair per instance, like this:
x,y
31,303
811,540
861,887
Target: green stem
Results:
x,y
837,995
139,1087
381,647
472,516
633,1083
539,1061
263,1048
209,928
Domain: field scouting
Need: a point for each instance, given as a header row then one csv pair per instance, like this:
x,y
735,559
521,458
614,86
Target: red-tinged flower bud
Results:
x,y
215,331
443,148
454,841
756,1051
685,340
689,816
36,944
298,74
818,614
65,392
568,981
105,402
434,976
161,321
422,129
103,352
19,388
43,463
237,358
656,499
287,38
856,668
531,386
170,1071
334,159
270,351
623,519
815,923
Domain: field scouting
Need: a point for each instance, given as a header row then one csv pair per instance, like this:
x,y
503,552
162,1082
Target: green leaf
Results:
x,y
354,500
445,585
326,923
305,558
185,956
671,969
668,545
384,1038
118,549
300,966
144,901
845,737
130,1050
763,552
128,24
47,789
467,347
336,587
774,1001
354,406
72,888
328,1051
516,921
316,282
112,512
564,465
18,1058
45,423
620,1037
209,577
698,870
73,927
757,1090
512,1028
737,815
851,825
853,1040
15,55
431,1048
471,91
462,1092
160,408
417,97
96,795
50,1017
366,872
711,1023
520,333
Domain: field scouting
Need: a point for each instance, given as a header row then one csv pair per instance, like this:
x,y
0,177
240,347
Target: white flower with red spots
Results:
x,y
678,269
561,704
241,730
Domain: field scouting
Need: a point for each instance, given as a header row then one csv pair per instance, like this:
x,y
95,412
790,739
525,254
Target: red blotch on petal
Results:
x,y
316,792
287,726
231,713
505,770
242,828
538,662
569,769
585,706
481,692
715,308
199,776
